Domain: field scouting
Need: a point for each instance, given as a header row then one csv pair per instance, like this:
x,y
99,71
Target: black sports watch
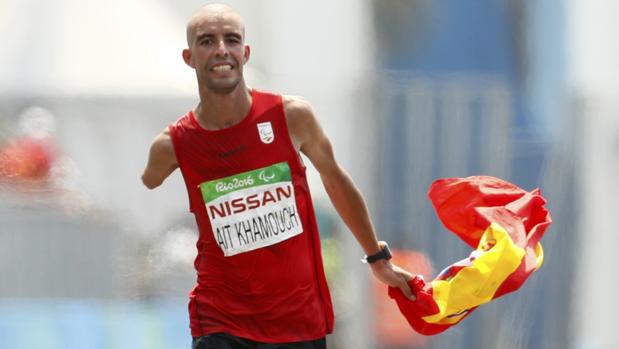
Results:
x,y
384,253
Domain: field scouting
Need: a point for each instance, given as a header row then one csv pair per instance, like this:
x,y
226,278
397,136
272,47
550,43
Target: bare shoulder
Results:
x,y
162,147
301,120
298,109
164,137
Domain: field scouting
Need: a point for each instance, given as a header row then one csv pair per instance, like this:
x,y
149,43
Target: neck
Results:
x,y
217,111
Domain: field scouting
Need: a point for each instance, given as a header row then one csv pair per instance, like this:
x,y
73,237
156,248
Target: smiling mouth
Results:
x,y
222,68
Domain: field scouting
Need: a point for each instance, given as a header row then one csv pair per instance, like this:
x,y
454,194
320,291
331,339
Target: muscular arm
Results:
x,y
310,139
161,161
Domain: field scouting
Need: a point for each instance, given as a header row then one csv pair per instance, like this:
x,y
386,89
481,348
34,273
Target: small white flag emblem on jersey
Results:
x,y
265,130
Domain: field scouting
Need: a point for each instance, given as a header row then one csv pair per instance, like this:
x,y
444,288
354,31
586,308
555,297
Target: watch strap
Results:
x,y
384,253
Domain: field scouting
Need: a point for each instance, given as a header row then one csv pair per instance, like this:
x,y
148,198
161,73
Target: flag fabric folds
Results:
x,y
503,224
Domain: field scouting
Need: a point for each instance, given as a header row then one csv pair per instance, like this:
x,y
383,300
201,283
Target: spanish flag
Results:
x,y
503,224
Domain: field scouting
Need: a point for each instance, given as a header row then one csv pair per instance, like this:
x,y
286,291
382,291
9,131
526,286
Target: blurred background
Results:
x,y
408,90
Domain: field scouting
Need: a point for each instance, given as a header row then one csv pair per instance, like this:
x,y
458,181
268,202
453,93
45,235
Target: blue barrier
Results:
x,y
96,324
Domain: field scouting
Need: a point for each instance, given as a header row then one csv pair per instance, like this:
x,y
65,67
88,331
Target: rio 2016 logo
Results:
x,y
235,183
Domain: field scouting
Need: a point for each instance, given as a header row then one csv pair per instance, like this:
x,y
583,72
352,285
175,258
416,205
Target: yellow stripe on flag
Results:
x,y
476,284
539,255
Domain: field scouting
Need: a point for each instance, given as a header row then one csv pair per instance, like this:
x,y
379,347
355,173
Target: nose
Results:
x,y
222,49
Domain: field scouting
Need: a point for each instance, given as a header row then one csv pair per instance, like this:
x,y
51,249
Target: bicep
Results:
x,y
309,137
161,161
319,150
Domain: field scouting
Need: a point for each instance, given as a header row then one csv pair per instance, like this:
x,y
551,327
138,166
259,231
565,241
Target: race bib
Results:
x,y
253,209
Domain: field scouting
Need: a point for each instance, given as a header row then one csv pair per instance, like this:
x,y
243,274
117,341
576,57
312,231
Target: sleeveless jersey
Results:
x,y
259,266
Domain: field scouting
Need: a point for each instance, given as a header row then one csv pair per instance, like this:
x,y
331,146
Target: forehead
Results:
x,y
216,23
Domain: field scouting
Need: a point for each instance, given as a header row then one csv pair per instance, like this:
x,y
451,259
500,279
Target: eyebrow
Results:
x,y
227,35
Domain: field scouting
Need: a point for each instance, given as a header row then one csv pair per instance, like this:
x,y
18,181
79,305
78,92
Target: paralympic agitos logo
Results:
x,y
264,177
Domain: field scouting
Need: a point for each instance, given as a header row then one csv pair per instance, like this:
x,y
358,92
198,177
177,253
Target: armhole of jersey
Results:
x,y
298,160
181,166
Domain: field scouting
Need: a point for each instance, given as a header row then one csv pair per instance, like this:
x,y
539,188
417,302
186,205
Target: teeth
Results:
x,y
220,68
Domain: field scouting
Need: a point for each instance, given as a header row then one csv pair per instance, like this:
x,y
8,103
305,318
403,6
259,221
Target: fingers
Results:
x,y
395,276
406,289
405,276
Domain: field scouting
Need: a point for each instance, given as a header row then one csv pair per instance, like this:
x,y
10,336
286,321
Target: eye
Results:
x,y
234,40
206,42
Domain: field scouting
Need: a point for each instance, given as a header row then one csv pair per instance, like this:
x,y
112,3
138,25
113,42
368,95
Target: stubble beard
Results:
x,y
222,86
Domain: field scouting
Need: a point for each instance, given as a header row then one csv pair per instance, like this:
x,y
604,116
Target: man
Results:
x,y
260,280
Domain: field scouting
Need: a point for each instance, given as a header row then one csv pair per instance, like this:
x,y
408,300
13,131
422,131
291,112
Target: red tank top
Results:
x,y
259,265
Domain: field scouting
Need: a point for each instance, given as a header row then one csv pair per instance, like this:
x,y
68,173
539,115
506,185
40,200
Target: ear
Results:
x,y
247,52
188,58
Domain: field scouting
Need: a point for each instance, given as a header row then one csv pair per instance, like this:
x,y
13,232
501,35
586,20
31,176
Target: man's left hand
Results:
x,y
393,275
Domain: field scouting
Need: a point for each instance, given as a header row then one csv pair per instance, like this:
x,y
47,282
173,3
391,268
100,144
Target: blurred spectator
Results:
x,y
28,157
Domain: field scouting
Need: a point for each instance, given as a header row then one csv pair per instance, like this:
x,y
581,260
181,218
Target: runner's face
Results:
x,y
218,52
